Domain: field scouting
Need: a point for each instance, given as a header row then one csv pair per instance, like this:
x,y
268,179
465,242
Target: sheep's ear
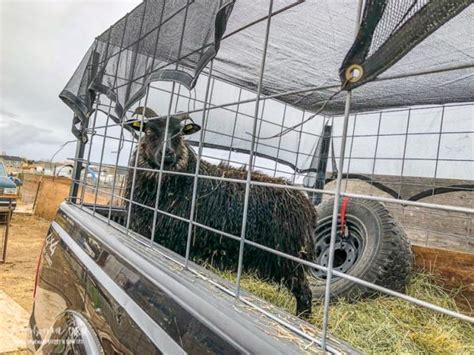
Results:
x,y
136,125
190,128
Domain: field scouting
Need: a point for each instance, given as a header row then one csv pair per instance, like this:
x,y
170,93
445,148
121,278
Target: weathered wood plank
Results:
x,y
455,268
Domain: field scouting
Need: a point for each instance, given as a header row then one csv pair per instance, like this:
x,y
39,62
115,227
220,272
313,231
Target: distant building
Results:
x,y
11,162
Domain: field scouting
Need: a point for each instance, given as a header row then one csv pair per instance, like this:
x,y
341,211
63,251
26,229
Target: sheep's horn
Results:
x,y
146,111
182,116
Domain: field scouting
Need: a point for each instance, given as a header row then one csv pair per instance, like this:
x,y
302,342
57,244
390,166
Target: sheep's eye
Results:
x,y
148,132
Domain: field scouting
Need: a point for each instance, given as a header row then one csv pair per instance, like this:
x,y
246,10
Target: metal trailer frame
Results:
x,y
91,129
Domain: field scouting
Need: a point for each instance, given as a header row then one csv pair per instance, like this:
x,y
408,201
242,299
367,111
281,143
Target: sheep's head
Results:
x,y
154,127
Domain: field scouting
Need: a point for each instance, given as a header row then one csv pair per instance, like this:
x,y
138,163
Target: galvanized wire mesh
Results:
x,y
407,158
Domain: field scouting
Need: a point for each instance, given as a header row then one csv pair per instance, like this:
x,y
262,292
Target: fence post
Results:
x,y
36,195
7,229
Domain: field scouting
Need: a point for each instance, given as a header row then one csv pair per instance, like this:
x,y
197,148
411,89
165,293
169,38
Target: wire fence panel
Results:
x,y
221,174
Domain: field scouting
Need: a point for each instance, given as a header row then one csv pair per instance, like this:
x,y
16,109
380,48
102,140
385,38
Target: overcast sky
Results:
x,y
41,44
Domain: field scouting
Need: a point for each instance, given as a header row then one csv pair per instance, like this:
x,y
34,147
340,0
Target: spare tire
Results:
x,y
373,247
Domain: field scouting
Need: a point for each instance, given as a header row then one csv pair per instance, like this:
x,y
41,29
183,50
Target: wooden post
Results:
x,y
36,195
7,228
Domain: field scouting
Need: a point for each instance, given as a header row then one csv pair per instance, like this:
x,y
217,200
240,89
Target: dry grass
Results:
x,y
17,275
385,324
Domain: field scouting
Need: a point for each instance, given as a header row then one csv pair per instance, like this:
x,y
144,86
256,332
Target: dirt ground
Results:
x,y
17,275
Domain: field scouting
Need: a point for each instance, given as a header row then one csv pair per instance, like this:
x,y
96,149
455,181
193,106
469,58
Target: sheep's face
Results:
x,y
156,146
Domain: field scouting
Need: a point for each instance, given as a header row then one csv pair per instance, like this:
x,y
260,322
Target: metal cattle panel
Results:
x,y
254,137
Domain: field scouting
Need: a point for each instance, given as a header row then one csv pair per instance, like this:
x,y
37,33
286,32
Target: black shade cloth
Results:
x,y
308,43
389,29
145,46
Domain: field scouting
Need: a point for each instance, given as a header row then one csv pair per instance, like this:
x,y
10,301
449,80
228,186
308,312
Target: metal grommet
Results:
x,y
354,73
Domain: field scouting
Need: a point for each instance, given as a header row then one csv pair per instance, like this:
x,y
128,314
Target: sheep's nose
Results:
x,y
169,152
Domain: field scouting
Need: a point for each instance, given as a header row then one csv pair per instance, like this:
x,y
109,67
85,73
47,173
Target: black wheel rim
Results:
x,y
348,248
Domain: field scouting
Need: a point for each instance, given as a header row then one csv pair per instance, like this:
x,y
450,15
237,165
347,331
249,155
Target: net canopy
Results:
x,y
174,40
407,52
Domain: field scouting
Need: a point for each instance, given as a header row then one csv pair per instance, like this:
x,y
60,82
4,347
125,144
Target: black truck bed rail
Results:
x,y
134,291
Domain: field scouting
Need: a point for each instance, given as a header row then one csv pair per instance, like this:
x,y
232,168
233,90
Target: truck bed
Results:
x,y
139,298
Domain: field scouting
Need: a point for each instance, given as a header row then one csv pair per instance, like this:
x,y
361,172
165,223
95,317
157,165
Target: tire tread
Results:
x,y
391,266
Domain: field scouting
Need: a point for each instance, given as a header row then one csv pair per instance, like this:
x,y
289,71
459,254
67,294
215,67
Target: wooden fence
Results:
x,y
46,193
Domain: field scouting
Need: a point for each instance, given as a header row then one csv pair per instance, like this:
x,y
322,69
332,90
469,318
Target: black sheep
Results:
x,y
279,218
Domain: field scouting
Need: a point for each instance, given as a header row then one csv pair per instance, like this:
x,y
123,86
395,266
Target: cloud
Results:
x,y
15,132
29,140
6,113
42,44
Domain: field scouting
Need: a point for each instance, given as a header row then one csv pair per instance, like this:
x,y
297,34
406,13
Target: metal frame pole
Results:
x,y
127,96
121,142
138,140
279,139
252,149
137,151
258,134
300,137
165,141
117,158
348,171
234,127
335,213
80,149
372,176
91,141
99,172
162,161
402,169
327,291
435,175
196,172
